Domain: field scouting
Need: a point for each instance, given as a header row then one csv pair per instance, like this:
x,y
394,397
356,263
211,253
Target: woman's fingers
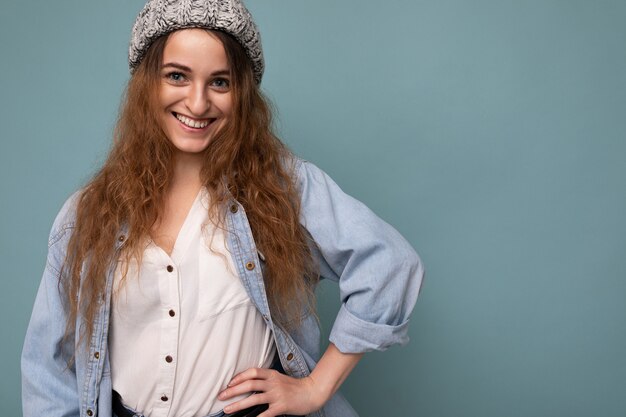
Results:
x,y
251,373
254,399
282,393
243,387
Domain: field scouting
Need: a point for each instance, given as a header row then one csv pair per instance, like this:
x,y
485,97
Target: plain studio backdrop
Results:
x,y
491,134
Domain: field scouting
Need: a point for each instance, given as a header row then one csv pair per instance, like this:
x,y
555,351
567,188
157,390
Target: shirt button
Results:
x,y
290,356
96,355
250,266
164,398
172,313
234,208
170,268
89,413
168,359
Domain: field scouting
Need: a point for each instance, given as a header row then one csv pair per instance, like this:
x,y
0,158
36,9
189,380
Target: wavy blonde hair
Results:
x,y
244,161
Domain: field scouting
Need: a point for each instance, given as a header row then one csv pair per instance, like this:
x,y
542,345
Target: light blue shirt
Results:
x,y
378,272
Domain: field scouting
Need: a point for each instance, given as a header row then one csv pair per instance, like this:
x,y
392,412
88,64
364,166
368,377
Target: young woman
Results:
x,y
180,279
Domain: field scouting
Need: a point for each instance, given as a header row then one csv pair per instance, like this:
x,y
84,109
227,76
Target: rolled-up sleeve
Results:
x,y
378,272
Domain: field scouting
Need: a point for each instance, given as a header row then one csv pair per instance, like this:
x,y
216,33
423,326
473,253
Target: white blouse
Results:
x,y
183,325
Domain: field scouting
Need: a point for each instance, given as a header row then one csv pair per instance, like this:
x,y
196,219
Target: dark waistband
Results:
x,y
121,411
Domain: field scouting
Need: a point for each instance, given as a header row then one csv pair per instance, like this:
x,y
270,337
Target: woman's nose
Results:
x,y
198,101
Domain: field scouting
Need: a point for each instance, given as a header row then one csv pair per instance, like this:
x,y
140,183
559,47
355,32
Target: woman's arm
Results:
x,y
378,272
379,276
288,395
332,369
49,385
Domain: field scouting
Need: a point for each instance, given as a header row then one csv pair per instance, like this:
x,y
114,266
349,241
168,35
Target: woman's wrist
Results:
x,y
330,372
320,393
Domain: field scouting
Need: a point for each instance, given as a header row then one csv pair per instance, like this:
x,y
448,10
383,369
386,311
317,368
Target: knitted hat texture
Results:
x,y
159,17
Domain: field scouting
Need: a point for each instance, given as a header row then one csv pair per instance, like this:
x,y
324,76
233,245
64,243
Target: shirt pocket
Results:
x,y
219,288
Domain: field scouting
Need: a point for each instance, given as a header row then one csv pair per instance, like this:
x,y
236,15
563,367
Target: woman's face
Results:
x,y
195,89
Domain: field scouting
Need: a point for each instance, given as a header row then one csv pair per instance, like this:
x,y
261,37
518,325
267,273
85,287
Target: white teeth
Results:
x,y
190,122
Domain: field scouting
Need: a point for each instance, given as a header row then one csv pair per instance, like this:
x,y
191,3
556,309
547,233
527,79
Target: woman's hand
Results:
x,y
284,394
288,395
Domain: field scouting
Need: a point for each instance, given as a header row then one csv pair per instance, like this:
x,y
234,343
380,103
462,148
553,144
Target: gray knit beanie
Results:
x,y
160,17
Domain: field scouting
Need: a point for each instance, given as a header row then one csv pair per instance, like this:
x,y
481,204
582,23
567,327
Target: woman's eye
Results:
x,y
221,83
175,77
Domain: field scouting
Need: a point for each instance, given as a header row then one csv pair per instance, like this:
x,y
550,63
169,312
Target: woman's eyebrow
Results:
x,y
221,72
177,66
185,68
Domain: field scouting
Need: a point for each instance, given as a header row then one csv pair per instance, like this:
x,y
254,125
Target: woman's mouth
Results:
x,y
193,123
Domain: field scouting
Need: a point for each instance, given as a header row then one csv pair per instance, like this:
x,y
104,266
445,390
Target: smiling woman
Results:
x,y
180,280
195,94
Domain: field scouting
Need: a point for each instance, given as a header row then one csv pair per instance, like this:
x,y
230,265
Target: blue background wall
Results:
x,y
490,133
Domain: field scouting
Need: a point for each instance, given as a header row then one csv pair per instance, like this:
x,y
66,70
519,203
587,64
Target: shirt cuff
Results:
x,y
352,335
